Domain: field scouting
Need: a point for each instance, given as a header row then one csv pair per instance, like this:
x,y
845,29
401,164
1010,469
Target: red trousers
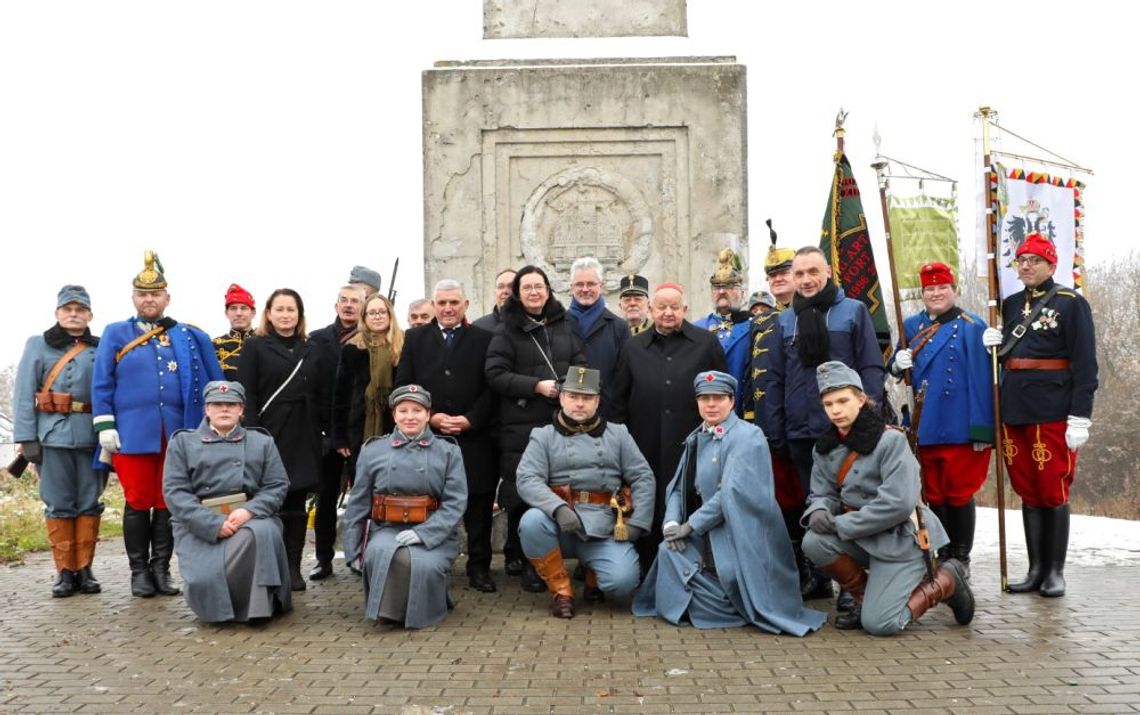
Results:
x,y
952,473
141,477
789,493
1041,466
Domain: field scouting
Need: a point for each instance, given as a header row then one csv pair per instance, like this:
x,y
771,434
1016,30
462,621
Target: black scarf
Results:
x,y
864,436
566,425
812,339
58,338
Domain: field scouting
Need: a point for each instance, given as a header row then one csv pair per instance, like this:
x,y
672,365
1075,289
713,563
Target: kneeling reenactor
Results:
x,y
862,516
574,474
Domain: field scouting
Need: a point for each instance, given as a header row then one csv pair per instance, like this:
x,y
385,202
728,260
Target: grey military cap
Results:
x,y
834,375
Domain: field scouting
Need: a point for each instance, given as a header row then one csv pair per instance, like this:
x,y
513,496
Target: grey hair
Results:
x,y
417,303
449,284
355,288
588,263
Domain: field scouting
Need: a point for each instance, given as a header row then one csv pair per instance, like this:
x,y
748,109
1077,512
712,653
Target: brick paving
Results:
x,y
501,653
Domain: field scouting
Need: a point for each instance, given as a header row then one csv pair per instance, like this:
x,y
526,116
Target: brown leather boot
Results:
x,y
61,532
553,572
950,587
853,579
86,534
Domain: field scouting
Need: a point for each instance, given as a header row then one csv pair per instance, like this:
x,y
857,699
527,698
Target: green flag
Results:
x,y
847,246
923,229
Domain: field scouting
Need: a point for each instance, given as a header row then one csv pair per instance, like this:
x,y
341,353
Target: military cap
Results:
x,y
73,294
367,276
729,270
834,375
150,277
583,380
761,297
1039,245
935,274
714,382
224,391
633,284
778,259
415,393
237,294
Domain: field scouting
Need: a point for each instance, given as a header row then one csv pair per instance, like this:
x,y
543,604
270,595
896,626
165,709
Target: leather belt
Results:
x,y
1037,364
76,406
572,497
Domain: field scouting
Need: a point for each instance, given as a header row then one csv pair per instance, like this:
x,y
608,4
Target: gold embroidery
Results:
x,y
1041,453
1008,448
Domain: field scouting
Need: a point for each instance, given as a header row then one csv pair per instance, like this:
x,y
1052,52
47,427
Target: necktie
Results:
x,y
448,336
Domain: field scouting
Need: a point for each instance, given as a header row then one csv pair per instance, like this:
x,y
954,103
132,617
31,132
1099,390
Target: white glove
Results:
x,y
904,360
992,337
1077,433
408,537
109,440
669,529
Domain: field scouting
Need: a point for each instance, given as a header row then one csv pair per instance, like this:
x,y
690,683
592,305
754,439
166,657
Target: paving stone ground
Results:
x,y
502,653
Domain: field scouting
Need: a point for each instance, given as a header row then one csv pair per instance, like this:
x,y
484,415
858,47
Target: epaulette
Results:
x,y
374,438
180,431
1067,293
896,428
966,317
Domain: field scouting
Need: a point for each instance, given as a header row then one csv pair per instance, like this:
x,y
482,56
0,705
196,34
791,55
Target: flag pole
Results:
x,y
994,320
880,166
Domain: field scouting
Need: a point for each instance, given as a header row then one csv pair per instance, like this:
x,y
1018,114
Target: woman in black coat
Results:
x,y
532,350
288,395
365,378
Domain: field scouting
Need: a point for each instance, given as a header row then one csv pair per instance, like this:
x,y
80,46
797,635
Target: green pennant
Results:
x,y
847,246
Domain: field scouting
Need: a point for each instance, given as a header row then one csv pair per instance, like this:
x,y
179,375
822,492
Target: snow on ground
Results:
x,y
1093,540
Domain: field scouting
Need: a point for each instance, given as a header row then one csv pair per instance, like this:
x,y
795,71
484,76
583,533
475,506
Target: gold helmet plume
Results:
x,y
150,277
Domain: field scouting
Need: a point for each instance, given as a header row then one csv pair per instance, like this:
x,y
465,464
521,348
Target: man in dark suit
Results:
x,y
654,395
446,358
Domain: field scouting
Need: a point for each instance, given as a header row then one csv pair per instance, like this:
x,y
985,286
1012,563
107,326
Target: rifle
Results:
x,y
923,535
392,282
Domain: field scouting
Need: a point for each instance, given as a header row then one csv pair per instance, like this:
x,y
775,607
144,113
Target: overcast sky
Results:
x,y
279,143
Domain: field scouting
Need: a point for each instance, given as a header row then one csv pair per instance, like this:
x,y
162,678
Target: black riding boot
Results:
x,y
136,539
162,548
942,511
1036,547
294,524
964,519
1057,526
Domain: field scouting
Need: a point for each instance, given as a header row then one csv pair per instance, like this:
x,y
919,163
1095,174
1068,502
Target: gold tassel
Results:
x,y
621,533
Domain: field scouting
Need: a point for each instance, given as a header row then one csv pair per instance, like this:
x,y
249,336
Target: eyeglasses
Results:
x,y
536,288
1029,260
376,313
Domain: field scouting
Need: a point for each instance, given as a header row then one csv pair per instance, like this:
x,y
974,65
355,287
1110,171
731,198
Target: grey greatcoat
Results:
x,y
587,463
427,465
880,493
201,464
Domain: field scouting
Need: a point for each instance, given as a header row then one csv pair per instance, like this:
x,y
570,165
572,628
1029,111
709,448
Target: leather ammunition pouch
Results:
x,y
402,509
52,402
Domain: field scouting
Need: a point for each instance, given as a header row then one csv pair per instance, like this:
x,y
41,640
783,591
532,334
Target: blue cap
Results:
x,y
834,375
224,391
73,294
714,382
367,276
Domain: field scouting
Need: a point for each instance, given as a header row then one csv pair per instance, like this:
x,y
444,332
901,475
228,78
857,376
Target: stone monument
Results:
x,y
639,162
582,18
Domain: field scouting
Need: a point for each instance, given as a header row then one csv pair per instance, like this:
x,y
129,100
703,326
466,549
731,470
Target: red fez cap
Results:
x,y
237,294
1039,245
935,274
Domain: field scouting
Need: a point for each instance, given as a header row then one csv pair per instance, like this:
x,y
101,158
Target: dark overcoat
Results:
x,y
297,416
602,346
458,385
522,353
654,396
